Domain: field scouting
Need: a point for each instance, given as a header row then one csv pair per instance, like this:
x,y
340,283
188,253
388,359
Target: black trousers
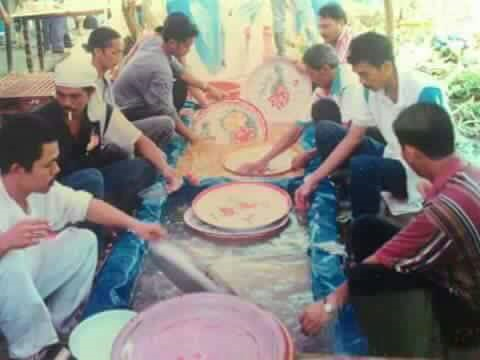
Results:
x,y
459,322
180,92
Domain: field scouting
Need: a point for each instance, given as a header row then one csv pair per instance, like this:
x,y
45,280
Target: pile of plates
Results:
x,y
204,326
239,212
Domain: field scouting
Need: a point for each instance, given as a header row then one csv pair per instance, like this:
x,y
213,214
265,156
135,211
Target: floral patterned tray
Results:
x,y
231,122
242,205
235,236
203,326
280,91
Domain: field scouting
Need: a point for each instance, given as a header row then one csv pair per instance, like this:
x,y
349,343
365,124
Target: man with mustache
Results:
x,y
47,264
97,144
389,90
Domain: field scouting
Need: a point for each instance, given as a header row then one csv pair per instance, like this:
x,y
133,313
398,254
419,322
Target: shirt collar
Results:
x,y
454,166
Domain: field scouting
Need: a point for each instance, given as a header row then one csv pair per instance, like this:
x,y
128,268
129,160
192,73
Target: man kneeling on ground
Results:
x,y
438,251
47,264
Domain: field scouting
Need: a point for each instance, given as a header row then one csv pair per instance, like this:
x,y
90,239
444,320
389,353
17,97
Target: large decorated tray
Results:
x,y
235,236
277,166
203,326
280,91
231,122
242,205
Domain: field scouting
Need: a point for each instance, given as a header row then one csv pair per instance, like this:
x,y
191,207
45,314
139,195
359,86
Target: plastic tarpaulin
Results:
x,y
115,283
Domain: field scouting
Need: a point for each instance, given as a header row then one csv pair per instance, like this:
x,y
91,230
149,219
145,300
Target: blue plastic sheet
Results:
x,y
327,269
115,283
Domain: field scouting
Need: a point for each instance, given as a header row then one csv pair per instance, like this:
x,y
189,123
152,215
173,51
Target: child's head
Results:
x,y
326,109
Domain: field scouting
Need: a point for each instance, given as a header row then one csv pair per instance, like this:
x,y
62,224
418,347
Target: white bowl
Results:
x,y
93,338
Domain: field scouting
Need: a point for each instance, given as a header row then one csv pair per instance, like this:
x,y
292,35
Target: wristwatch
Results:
x,y
329,307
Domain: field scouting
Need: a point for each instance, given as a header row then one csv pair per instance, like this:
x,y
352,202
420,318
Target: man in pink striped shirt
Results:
x,y
437,252
334,29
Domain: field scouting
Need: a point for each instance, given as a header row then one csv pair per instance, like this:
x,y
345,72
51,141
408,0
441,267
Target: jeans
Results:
x,y
54,31
118,183
370,173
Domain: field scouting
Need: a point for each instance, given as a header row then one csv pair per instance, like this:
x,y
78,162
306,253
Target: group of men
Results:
x,y
103,143
414,169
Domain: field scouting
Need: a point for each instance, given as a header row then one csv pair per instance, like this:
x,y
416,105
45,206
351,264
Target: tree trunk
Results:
x,y
129,14
389,20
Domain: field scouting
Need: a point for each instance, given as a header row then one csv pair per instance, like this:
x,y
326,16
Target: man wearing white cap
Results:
x,y
95,140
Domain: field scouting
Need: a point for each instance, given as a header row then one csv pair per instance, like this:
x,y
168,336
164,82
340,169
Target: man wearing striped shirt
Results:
x,y
439,250
334,29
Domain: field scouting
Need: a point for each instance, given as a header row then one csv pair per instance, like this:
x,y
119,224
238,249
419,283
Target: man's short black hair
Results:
x,y
178,27
326,109
333,11
101,38
428,128
371,48
22,137
319,55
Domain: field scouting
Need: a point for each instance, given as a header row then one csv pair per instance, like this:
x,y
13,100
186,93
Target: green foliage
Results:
x,y
464,93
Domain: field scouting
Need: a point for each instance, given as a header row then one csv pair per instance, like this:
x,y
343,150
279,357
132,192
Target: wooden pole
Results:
x,y
389,20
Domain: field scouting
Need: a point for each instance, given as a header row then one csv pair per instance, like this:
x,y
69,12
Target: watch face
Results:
x,y
328,308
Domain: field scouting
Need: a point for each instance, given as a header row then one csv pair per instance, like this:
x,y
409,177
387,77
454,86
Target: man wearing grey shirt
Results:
x,y
145,87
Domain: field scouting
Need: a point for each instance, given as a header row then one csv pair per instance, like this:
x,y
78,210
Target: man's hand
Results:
x,y
254,168
149,231
301,160
24,234
303,193
215,93
314,318
172,180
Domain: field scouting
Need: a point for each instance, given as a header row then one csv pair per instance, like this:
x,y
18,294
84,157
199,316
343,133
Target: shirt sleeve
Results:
x,y
416,247
66,206
354,107
122,132
159,96
177,67
433,95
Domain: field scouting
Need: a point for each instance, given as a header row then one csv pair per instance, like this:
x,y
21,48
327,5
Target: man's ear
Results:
x,y
388,68
409,152
16,169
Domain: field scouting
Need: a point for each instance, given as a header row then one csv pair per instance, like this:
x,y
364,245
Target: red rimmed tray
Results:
x,y
242,205
280,91
231,89
236,237
202,326
231,122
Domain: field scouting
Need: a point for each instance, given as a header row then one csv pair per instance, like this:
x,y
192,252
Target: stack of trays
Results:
x,y
239,212
204,326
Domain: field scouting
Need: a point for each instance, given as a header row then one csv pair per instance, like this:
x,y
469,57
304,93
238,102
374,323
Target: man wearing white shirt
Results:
x,y
388,92
343,93
47,264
